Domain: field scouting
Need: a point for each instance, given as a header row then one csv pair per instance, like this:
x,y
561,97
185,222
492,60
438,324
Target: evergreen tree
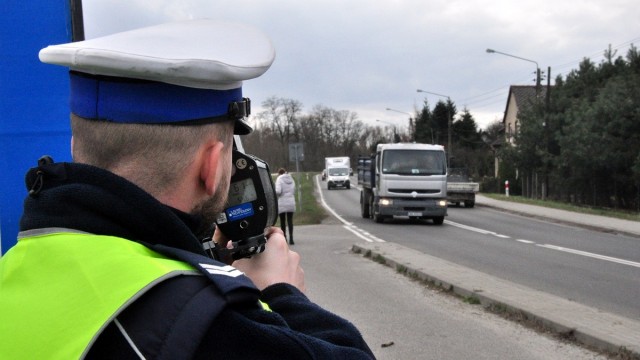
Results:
x,y
465,132
588,139
424,126
442,113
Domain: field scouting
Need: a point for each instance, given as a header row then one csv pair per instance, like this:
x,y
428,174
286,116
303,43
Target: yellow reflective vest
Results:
x,y
59,290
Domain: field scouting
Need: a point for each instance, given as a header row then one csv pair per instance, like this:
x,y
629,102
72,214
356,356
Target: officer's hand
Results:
x,y
221,240
276,264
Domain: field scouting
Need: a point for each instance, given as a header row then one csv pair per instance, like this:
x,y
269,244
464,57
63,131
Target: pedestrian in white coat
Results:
x,y
285,189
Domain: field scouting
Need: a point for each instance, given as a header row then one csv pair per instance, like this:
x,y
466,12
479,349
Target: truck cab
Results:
x,y
405,180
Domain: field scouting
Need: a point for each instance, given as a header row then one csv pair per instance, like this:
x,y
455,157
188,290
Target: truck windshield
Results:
x,y
414,162
338,171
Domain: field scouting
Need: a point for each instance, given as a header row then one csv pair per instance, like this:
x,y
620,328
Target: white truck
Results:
x,y
460,189
404,180
336,172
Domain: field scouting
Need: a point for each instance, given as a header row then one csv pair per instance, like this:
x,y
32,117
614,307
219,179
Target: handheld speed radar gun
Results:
x,y
252,206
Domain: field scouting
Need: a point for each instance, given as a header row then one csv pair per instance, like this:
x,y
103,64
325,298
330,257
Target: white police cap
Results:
x,y
179,73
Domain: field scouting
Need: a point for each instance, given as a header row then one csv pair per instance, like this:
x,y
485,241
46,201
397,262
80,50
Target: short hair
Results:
x,y
152,156
281,171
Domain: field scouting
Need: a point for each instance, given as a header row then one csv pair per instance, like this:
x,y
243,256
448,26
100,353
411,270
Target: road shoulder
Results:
x,y
588,326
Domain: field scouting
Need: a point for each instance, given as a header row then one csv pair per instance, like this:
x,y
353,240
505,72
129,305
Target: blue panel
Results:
x,y
34,111
240,212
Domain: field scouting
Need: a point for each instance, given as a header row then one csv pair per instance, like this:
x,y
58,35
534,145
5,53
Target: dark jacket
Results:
x,y
90,199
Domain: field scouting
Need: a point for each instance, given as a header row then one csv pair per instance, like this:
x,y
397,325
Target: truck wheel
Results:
x,y
469,203
372,210
364,206
438,220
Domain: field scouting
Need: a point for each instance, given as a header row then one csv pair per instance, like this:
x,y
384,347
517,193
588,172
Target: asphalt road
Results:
x,y
402,319
601,270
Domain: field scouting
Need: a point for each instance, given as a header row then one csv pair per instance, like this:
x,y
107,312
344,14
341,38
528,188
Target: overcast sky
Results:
x,y
367,56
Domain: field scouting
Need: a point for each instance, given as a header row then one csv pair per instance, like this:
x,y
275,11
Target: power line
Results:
x,y
596,54
557,69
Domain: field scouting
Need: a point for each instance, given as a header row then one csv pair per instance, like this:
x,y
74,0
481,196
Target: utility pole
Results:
x,y
547,108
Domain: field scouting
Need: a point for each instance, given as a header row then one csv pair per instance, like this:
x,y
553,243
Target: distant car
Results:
x,y
324,175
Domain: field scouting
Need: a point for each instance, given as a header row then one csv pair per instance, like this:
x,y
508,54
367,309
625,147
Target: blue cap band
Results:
x,y
145,102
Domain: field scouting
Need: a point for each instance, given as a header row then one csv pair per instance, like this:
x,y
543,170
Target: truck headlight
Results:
x,y
386,202
442,203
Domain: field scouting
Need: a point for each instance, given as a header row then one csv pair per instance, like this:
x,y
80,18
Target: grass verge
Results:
x,y
633,216
309,211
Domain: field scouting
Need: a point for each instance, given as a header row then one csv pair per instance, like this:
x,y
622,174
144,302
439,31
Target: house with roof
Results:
x,y
520,97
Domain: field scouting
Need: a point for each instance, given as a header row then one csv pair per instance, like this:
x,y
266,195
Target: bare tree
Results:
x,y
280,116
324,132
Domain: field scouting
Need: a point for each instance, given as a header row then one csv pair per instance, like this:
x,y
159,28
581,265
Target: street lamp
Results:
x,y
402,112
411,121
396,138
545,184
491,51
449,120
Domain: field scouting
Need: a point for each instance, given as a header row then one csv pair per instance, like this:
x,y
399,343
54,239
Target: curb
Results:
x,y
591,327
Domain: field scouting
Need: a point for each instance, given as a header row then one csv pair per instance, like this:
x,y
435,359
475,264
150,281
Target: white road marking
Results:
x,y
591,255
356,233
347,225
363,234
551,247
324,203
525,241
370,238
474,229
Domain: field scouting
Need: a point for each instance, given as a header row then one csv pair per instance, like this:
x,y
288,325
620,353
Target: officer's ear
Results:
x,y
211,163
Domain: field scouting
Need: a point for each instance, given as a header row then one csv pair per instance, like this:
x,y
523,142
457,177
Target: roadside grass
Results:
x,y
625,215
310,211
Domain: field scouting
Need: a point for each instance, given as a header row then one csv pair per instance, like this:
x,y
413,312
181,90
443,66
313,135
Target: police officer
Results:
x,y
108,262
